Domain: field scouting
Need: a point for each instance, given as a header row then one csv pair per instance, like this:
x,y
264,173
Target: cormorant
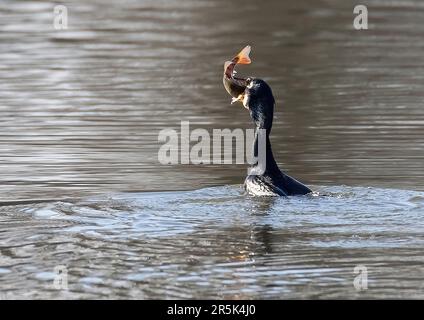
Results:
x,y
265,178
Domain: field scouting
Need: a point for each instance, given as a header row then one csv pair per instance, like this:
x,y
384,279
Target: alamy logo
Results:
x,y
60,20
361,280
360,22
60,281
177,148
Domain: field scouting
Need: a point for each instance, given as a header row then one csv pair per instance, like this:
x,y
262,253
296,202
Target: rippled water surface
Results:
x,y
217,243
81,185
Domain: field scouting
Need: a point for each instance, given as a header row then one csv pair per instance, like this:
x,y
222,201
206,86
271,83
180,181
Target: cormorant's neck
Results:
x,y
262,136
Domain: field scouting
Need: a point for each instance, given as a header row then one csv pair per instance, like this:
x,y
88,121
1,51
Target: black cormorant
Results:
x,y
265,178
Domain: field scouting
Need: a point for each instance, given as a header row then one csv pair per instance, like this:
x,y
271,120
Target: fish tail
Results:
x,y
243,56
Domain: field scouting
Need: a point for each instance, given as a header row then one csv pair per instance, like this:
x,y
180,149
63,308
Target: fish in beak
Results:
x,y
236,86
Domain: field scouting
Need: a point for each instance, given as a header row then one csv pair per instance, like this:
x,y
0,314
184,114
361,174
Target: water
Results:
x,y
81,186
217,243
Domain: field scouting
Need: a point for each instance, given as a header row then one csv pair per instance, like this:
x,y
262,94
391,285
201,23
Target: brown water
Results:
x,y
80,112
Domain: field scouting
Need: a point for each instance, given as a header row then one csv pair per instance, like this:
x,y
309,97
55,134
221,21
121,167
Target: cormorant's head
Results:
x,y
259,100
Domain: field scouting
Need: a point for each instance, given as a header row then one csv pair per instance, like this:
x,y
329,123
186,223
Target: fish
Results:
x,y
236,86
